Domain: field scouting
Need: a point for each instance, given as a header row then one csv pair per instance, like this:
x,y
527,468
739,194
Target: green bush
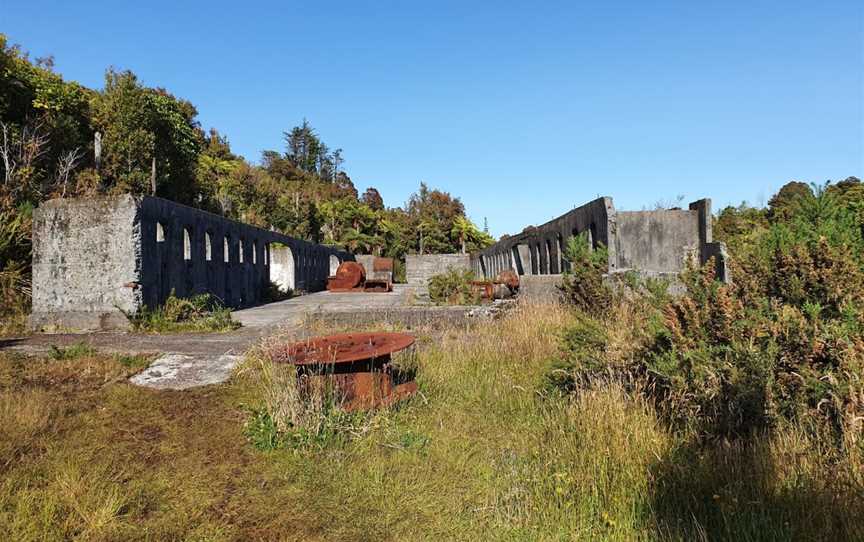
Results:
x,y
453,287
784,342
203,312
583,283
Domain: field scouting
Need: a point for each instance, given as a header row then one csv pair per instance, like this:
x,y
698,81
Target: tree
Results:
x,y
373,199
140,124
433,214
782,205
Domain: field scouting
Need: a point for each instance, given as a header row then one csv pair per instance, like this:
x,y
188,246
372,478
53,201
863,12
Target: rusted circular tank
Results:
x,y
348,275
345,348
357,365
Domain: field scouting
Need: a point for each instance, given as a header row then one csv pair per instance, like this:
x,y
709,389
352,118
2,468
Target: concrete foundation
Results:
x,y
96,259
419,268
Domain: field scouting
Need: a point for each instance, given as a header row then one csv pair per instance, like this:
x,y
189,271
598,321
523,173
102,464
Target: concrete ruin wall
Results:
x,y
651,242
419,268
367,261
94,259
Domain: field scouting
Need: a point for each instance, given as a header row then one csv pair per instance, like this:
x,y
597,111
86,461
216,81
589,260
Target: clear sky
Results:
x,y
523,110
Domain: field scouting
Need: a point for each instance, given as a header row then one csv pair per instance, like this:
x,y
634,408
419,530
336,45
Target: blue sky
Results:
x,y
523,110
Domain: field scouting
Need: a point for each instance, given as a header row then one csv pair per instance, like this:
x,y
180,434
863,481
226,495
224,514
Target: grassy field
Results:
x,y
482,453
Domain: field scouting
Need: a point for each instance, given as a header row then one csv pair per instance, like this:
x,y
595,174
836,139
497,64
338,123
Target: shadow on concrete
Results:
x,y
11,341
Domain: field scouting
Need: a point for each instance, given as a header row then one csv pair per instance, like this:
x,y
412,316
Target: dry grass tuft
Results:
x,y
24,415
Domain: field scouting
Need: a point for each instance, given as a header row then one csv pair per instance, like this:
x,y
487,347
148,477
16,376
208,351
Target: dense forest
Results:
x,y
60,139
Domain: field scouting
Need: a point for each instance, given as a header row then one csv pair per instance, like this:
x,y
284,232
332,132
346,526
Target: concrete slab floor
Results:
x,y
198,359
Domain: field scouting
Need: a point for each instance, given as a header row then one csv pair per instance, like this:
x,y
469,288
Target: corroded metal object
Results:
x,y
382,265
349,276
357,365
509,278
353,277
505,285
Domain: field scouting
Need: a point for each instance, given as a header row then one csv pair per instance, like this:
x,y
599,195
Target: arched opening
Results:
x,y
241,251
334,264
226,249
160,233
208,247
266,253
282,267
254,252
187,245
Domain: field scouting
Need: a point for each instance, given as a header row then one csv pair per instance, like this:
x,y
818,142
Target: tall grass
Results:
x,y
501,458
483,452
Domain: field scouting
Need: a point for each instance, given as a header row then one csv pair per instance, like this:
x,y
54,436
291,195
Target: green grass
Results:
x,y
481,453
199,313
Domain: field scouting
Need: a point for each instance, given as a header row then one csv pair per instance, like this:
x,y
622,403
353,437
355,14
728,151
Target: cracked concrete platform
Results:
x,y
198,359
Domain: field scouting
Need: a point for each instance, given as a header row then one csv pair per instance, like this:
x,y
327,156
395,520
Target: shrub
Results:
x,y
583,283
453,287
14,266
784,342
203,312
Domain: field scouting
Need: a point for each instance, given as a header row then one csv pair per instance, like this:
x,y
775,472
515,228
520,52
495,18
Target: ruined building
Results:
x,y
659,242
96,259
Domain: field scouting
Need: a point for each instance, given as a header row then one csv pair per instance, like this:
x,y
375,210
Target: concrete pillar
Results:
x,y
523,265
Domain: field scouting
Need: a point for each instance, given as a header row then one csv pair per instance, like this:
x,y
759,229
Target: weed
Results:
x,y
453,287
583,283
72,352
202,312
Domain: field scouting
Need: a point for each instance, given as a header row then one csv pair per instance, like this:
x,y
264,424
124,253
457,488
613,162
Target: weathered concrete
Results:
x,y
180,371
419,268
541,288
661,241
409,318
95,259
656,240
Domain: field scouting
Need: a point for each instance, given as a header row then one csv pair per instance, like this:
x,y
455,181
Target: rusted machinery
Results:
x,y
353,277
381,278
349,277
505,285
357,367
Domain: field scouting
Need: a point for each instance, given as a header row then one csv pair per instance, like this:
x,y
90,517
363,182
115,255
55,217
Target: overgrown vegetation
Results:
x,y
483,452
453,287
202,312
770,367
583,283
48,129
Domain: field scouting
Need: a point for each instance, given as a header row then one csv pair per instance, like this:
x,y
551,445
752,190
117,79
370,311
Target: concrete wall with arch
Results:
x,y
99,257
